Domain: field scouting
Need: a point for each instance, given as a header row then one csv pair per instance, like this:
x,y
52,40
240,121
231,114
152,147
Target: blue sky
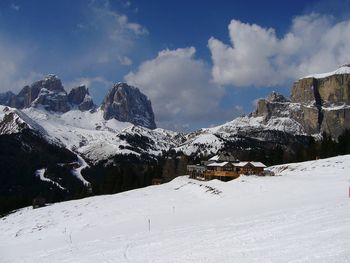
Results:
x,y
201,63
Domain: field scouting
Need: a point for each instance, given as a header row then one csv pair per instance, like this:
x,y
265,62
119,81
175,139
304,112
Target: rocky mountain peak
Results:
x,y
127,103
80,97
277,97
48,93
275,105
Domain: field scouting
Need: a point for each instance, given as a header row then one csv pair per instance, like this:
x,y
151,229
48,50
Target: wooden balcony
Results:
x,y
210,173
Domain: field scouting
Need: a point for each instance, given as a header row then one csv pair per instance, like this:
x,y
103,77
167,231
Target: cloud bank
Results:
x,y
179,86
256,56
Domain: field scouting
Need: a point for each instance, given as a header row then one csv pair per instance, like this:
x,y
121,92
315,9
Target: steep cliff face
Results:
x,y
123,102
320,103
127,103
47,93
80,97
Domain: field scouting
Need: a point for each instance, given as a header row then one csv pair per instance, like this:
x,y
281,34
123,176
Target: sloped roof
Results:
x,y
258,164
223,157
218,164
214,158
241,164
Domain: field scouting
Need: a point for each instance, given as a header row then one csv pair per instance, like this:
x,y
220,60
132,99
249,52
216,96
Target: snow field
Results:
x,y
303,215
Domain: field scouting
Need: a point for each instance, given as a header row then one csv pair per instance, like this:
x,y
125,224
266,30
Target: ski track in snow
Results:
x,y
41,174
77,172
300,215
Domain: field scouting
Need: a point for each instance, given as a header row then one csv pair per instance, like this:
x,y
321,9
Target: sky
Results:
x,y
201,63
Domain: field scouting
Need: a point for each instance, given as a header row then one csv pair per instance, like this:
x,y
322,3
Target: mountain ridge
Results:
x,y
108,150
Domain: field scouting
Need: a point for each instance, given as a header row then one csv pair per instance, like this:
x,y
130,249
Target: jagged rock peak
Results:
x,y
277,97
50,82
47,93
80,97
127,103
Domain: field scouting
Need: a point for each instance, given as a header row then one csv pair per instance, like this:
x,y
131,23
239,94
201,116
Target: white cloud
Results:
x,y
257,57
180,88
111,38
115,24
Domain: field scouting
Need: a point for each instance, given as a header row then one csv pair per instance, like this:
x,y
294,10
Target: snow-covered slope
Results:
x,y
211,140
301,216
88,133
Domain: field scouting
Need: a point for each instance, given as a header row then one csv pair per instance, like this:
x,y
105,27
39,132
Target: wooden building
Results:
x,y
157,181
196,171
248,168
224,171
38,202
225,167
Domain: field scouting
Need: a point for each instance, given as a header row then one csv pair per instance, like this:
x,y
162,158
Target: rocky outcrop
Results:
x,y
320,103
275,105
80,97
127,103
12,123
52,101
327,89
123,102
47,93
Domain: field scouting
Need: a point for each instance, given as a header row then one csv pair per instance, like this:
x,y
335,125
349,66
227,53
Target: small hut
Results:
x,y
38,202
157,181
196,171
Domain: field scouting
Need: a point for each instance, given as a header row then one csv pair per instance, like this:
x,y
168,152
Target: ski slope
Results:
x,y
301,215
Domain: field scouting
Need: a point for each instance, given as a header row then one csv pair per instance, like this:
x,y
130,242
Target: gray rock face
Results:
x,y
52,101
127,103
274,105
48,93
80,97
319,104
331,90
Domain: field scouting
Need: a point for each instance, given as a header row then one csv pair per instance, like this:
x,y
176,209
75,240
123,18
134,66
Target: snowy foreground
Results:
x,y
301,216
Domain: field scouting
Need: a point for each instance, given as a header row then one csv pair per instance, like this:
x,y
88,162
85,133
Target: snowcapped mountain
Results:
x,y
96,145
127,103
62,146
73,121
319,103
300,215
88,133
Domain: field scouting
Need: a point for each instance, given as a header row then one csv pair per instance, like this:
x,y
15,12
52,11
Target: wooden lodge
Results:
x,y
224,167
250,168
224,171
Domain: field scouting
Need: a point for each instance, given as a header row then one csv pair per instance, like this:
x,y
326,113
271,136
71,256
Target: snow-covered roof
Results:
x,y
241,164
214,158
218,164
258,164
